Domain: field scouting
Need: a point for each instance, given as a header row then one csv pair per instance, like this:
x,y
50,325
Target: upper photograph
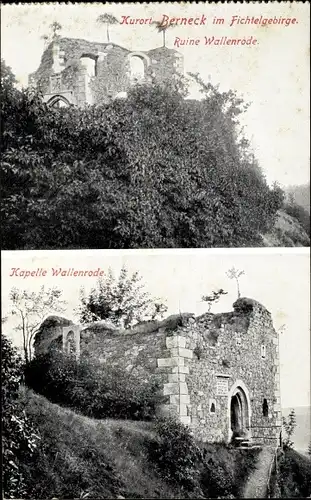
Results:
x,y
158,125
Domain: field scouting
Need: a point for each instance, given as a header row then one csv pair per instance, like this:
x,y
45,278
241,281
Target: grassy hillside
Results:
x,y
85,458
287,232
81,457
294,475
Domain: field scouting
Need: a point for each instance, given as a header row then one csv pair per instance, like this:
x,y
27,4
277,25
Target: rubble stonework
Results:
x,y
80,72
218,372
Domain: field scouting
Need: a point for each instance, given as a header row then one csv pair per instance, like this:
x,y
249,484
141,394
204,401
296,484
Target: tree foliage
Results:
x,y
151,170
123,300
213,298
31,308
235,274
19,437
175,453
289,426
94,389
108,20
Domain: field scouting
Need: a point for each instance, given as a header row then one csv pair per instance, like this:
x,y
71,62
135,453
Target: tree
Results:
x,y
161,28
19,436
108,20
54,34
213,298
121,300
309,449
8,79
31,308
289,425
235,274
55,28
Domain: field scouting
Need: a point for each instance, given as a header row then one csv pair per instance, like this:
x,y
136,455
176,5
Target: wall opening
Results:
x,y
265,408
70,347
90,64
239,413
58,101
137,69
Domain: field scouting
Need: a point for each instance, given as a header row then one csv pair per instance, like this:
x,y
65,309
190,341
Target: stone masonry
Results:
x,y
219,373
79,72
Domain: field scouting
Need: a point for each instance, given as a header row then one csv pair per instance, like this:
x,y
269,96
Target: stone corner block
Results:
x,y
175,341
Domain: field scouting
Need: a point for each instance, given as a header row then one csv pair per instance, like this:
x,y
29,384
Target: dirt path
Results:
x,y
256,486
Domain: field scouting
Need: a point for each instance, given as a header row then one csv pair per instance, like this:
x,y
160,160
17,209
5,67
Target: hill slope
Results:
x,y
301,195
287,232
85,458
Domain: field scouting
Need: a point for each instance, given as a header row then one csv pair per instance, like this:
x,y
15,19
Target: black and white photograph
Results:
x,y
155,125
164,375
155,258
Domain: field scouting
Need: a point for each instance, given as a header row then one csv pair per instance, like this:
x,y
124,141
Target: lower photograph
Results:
x,y
156,374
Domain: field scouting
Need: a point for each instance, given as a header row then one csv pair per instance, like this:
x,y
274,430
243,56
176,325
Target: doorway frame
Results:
x,y
239,388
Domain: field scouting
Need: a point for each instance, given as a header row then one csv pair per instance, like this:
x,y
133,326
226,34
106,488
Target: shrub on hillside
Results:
x,y
96,390
299,213
294,475
225,469
175,453
107,177
19,436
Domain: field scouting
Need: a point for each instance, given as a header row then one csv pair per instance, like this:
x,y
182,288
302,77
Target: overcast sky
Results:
x,y
279,279
273,75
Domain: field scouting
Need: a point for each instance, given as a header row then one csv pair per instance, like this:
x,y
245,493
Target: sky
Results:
x,y
272,75
278,278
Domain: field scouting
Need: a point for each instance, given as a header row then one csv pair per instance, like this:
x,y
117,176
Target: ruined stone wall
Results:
x,y
50,330
201,363
61,71
165,64
220,353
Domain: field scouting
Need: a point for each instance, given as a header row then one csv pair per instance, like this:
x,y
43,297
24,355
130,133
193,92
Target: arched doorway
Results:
x,y
58,101
70,347
239,411
138,64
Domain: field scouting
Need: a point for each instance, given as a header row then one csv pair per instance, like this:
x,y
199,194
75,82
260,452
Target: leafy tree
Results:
x,y
19,437
289,425
121,300
235,274
31,308
213,298
8,79
108,20
162,28
107,177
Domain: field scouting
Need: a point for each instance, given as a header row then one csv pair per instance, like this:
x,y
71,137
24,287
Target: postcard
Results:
x,y
155,125
155,250
131,359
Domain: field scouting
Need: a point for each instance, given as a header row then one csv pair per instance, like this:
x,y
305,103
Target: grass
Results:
x,y
80,457
226,470
287,232
84,458
294,475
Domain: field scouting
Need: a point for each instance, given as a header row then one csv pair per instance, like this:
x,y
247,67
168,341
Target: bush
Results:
x,y
175,453
95,390
107,177
299,213
19,436
294,475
